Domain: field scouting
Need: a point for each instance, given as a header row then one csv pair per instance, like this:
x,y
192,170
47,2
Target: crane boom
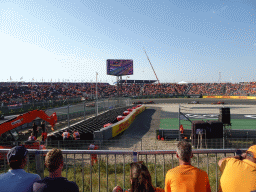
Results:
x,y
27,118
151,66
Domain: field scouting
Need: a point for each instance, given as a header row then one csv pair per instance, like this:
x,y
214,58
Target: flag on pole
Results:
x,y
10,78
184,117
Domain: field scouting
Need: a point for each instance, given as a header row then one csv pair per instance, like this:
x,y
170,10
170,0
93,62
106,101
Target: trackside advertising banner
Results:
x,y
230,97
119,128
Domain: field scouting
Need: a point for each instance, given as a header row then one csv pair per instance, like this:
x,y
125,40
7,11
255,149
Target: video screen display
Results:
x,y
119,67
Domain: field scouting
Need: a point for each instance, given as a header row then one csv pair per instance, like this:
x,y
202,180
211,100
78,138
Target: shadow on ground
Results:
x,y
132,136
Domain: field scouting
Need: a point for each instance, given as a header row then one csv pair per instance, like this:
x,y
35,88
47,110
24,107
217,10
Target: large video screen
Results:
x,y
119,67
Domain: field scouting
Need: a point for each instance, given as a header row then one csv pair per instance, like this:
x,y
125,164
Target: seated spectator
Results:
x,y
140,180
55,182
16,179
186,177
238,172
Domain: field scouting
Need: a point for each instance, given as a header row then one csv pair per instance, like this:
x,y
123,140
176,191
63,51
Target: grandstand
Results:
x,y
14,93
87,127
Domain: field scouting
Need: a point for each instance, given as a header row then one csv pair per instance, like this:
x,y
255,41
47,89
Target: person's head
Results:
x,y
140,178
184,151
54,160
17,157
251,153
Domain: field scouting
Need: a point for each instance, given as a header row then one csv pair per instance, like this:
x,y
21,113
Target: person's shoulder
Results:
x,y
201,171
230,161
33,176
4,175
173,171
72,186
69,185
72,183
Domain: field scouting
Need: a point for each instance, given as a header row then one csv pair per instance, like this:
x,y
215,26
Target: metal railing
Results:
x,y
140,144
112,167
152,144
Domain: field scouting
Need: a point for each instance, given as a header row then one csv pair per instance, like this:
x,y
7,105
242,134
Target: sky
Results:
x,y
70,40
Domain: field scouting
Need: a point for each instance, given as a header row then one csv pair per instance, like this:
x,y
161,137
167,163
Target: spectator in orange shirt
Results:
x,y
186,177
238,172
76,135
65,135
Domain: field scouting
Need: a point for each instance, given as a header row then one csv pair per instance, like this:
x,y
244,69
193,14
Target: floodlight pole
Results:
x,y
91,89
179,123
96,95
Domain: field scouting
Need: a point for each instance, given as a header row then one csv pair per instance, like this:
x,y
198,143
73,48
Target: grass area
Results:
x,y
173,123
101,173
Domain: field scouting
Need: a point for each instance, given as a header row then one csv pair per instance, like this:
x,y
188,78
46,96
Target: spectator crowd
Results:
x,y
16,93
238,174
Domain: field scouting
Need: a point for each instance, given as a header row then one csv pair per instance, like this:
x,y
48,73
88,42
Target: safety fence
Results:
x,y
152,144
112,168
72,114
85,108
137,144
22,108
150,96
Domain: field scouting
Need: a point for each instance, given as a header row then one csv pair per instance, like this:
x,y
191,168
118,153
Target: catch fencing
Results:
x,y
22,108
113,167
70,114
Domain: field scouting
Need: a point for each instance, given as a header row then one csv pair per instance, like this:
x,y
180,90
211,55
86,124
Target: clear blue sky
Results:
x,y
189,40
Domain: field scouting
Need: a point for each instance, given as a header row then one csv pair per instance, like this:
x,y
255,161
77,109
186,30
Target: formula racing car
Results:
x,y
218,103
149,102
193,102
137,102
90,105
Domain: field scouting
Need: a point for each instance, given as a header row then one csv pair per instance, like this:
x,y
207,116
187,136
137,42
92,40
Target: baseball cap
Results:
x,y
252,149
17,153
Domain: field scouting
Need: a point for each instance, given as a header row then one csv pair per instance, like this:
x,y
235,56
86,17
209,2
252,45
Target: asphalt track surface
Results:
x,y
80,107
201,101
145,125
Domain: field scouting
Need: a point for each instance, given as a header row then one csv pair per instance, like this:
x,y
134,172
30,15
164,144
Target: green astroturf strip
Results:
x,y
173,123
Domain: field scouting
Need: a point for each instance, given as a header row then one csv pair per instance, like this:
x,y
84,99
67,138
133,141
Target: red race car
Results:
x,y
218,103
137,102
149,102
